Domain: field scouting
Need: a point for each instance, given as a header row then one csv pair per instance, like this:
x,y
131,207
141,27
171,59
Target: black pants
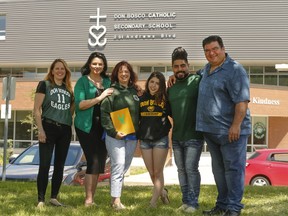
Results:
x,y
58,137
94,149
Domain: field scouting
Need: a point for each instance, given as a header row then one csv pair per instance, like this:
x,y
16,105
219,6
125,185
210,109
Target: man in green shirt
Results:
x,y
187,143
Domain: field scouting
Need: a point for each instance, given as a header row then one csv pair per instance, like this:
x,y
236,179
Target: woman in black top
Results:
x,y
153,133
53,109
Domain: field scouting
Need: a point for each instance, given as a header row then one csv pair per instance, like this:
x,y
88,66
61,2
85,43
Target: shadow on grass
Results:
x,y
19,198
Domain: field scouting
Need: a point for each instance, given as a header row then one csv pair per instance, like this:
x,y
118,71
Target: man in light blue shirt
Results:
x,y
224,118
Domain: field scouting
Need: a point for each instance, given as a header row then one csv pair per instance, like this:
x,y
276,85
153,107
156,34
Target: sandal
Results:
x,y
164,196
89,204
118,206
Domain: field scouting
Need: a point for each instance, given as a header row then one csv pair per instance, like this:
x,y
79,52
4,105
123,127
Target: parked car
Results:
x,y
267,167
25,166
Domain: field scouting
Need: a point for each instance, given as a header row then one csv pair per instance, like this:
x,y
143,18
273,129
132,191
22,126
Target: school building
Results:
x,y
35,32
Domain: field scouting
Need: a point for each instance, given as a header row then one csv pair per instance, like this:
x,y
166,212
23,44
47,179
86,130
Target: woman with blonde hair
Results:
x,y
53,110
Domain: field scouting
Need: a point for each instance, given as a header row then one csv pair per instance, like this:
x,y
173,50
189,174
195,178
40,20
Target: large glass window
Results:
x,y
270,69
145,71
17,72
256,79
5,71
41,72
29,73
256,70
270,80
283,80
247,69
160,69
23,130
76,73
256,74
10,129
2,27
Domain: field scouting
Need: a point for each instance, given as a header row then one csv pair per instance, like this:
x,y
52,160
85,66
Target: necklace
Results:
x,y
97,83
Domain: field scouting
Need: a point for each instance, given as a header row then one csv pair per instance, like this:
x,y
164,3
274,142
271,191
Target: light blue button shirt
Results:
x,y
219,92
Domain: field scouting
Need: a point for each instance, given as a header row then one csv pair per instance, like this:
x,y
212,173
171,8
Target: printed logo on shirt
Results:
x,y
150,103
136,97
60,99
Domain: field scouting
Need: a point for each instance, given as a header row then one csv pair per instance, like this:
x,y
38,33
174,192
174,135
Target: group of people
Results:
x,y
211,105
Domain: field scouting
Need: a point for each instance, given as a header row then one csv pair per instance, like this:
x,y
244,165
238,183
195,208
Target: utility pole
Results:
x,y
8,93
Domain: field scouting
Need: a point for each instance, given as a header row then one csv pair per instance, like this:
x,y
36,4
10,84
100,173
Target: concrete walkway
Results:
x,y
170,173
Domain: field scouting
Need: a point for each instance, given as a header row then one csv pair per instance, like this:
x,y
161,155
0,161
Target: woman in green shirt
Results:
x,y
90,90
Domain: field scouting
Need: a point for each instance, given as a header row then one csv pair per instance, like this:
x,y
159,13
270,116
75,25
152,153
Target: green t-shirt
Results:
x,y
183,100
57,102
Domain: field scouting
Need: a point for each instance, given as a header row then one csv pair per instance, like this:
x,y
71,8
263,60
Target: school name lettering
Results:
x,y
162,21
156,15
142,26
60,106
59,90
151,103
258,100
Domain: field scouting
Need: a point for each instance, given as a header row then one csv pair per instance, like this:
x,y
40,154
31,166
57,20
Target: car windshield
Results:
x,y
31,156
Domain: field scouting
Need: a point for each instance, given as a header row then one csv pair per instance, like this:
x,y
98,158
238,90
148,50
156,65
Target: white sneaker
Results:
x,y
55,202
40,205
190,209
183,207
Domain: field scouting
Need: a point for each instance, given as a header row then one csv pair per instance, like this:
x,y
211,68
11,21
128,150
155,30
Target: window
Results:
x,y
256,69
145,72
270,69
280,157
41,72
2,27
270,80
23,130
247,69
283,80
160,69
256,79
5,71
17,72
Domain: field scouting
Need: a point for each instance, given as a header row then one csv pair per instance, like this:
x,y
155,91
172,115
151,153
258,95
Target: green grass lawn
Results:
x,y
19,198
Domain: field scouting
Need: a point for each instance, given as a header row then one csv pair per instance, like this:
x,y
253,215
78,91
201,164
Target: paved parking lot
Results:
x,y
170,173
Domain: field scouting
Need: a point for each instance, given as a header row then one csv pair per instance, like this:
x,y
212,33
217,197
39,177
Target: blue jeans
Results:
x,y
121,153
187,155
228,166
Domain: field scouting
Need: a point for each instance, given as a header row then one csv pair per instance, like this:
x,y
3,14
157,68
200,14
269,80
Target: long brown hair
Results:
x,y
67,78
161,95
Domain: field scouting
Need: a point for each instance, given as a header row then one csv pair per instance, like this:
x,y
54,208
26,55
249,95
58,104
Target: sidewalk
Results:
x,y
170,173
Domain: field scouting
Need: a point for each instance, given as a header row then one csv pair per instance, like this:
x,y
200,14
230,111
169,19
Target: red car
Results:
x,y
267,167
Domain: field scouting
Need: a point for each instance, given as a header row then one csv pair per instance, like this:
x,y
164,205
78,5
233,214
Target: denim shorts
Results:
x,y
161,143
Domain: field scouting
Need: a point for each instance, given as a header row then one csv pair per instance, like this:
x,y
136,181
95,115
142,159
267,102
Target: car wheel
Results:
x,y
260,181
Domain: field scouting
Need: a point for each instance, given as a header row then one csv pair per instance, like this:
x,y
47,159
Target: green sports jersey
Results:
x,y
183,100
57,103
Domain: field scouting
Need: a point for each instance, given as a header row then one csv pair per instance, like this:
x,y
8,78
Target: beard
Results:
x,y
180,75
